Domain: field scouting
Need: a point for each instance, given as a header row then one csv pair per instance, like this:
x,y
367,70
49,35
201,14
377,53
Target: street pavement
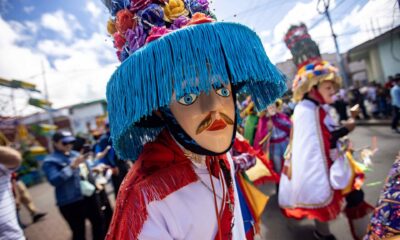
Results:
x,y
275,226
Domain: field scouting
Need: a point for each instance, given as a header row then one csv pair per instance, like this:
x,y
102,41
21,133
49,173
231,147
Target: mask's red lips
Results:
x,y
217,125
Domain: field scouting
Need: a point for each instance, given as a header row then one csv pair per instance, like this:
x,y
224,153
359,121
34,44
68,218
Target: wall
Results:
x,y
86,114
374,66
390,65
289,69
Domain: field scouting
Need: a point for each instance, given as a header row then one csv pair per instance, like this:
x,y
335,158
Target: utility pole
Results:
x,y
338,56
48,109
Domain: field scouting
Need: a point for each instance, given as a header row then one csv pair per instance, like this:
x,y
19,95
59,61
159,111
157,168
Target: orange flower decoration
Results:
x,y
199,18
125,20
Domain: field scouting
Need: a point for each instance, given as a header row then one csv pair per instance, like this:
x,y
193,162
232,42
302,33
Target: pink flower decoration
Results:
x,y
157,32
119,41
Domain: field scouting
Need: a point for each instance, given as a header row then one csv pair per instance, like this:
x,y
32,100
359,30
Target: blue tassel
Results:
x,y
188,60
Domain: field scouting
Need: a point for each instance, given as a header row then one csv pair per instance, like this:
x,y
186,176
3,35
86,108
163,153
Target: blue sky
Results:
x,y
69,39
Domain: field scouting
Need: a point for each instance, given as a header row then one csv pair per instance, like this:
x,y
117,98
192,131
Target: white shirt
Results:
x,y
189,213
9,227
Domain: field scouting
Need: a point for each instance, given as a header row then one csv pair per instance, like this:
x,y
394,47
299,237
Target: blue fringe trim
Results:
x,y
189,60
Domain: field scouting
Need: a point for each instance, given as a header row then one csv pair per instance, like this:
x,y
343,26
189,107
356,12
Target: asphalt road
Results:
x,y
275,226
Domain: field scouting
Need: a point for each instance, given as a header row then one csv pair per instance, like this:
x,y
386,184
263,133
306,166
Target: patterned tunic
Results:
x,y
385,222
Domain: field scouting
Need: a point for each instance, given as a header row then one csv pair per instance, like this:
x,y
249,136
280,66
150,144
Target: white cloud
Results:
x,y
378,12
93,9
265,33
28,9
77,73
60,22
25,30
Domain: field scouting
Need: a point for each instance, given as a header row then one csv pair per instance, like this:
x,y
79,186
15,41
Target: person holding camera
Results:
x,y
74,196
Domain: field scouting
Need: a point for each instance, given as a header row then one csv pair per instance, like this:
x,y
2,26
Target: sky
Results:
x,y
66,44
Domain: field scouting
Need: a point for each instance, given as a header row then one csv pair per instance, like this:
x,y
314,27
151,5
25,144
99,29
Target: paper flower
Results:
x,y
199,18
111,27
115,5
136,38
174,9
195,6
137,5
122,55
125,20
180,22
152,16
119,41
157,32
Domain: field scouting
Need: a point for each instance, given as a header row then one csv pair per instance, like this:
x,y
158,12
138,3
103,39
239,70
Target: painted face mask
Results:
x,y
196,59
204,124
271,110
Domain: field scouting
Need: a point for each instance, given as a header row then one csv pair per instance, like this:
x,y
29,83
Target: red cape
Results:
x,y
161,169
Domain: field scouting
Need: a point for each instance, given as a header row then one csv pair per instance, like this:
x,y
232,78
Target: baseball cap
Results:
x,y
64,136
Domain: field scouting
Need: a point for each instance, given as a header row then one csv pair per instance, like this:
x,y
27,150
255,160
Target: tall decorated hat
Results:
x,y
311,75
312,70
177,47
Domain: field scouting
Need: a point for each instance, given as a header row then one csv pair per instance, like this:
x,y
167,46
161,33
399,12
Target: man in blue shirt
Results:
x,y
395,94
118,166
62,171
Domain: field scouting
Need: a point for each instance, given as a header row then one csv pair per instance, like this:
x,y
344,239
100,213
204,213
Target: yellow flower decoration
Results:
x,y
174,9
111,27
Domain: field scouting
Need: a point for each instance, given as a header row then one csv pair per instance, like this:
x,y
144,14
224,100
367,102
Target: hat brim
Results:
x,y
300,91
193,59
69,139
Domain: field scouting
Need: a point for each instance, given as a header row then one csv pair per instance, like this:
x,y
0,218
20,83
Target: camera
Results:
x,y
86,149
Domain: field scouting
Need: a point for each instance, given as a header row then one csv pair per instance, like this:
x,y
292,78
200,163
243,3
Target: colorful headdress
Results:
x,y
311,75
304,50
177,47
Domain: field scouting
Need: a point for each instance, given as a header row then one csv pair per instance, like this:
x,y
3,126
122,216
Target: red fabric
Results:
x,y
250,235
326,136
324,214
314,93
161,169
360,211
227,217
243,146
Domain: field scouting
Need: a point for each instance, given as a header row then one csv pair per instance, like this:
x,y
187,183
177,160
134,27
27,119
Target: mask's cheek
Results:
x,y
188,117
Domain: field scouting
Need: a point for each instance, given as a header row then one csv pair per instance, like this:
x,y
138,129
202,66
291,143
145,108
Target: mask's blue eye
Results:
x,y
223,92
188,99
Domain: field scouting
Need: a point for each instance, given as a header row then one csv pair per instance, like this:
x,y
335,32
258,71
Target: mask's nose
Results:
x,y
210,102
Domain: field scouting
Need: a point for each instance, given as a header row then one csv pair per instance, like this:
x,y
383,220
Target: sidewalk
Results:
x,y
374,122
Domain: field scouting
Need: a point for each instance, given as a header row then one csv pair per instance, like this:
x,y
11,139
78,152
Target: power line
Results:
x,y
321,17
387,28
